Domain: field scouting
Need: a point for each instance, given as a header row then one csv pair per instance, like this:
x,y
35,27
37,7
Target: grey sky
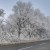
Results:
x,y
43,5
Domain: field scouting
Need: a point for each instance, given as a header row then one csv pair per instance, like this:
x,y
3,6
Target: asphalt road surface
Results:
x,y
41,45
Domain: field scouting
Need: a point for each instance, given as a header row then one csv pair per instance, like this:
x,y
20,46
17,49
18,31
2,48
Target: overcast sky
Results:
x,y
43,5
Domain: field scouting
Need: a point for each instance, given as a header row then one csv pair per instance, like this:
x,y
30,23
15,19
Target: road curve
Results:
x,y
41,45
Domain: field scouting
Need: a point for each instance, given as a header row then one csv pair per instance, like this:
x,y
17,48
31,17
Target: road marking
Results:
x,y
25,48
42,43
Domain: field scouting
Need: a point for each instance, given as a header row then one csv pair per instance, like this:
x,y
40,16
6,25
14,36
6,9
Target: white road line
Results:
x,y
42,43
25,48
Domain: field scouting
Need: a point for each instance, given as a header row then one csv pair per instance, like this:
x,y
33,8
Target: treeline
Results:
x,y
26,21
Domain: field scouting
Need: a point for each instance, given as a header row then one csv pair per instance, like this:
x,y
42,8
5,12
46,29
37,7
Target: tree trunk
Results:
x,y
19,32
29,35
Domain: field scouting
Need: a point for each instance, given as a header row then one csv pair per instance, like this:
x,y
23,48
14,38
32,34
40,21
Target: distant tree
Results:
x,y
1,12
1,15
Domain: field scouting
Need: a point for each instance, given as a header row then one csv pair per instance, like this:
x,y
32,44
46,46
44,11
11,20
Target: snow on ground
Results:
x,y
9,38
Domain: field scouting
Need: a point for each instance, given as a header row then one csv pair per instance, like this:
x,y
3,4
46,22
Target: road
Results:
x,y
41,45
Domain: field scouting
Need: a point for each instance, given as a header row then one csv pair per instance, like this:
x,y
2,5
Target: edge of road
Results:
x,y
24,42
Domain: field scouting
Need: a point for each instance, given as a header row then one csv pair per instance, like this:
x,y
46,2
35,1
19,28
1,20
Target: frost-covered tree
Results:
x,y
26,18
1,17
22,11
1,12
